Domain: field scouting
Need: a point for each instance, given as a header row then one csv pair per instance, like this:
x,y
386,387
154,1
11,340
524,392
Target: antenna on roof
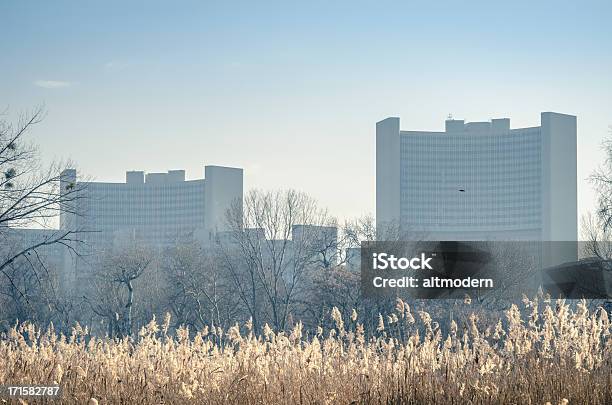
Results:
x,y
450,116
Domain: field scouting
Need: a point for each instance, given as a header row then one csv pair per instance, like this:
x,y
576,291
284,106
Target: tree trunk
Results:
x,y
128,309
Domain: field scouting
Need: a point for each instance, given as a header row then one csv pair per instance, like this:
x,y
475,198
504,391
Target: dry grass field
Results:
x,y
548,352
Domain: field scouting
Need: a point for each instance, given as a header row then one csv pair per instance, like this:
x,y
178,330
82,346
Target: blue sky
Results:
x,y
291,91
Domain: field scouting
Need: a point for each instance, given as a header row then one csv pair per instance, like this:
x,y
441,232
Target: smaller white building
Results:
x,y
154,209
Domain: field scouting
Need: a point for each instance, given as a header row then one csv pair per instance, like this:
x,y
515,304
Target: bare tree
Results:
x,y
114,287
36,294
602,181
360,229
106,300
199,292
597,238
268,254
31,196
597,231
331,287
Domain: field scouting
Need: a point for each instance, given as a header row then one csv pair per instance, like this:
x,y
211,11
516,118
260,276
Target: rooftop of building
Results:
x,y
141,177
493,126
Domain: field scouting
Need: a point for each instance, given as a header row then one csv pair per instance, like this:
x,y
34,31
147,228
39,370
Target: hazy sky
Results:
x,y
291,91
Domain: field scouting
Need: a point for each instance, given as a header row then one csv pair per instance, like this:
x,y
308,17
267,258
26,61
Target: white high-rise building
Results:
x,y
154,209
479,180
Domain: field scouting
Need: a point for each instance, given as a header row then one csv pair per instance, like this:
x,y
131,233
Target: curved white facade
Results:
x,y
479,181
156,208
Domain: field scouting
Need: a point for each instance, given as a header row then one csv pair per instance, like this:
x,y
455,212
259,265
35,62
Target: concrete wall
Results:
x,y
559,179
387,173
223,188
559,191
